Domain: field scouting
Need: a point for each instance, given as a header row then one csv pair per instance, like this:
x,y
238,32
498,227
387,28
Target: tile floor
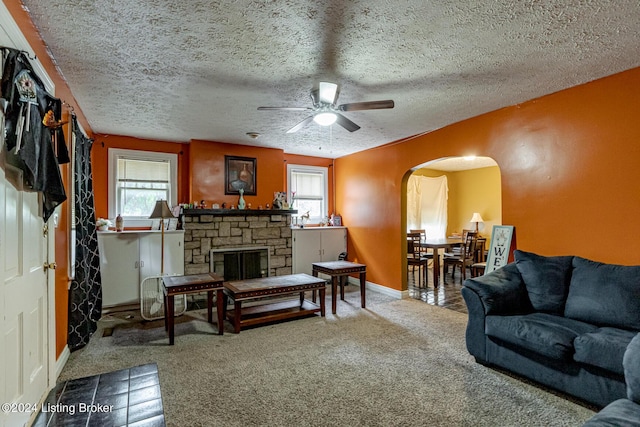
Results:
x,y
447,295
129,397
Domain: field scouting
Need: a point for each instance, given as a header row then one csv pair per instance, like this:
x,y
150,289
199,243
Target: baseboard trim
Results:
x,y
62,361
381,289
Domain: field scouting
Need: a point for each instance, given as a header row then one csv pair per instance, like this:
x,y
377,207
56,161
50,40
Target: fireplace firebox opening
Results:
x,y
240,263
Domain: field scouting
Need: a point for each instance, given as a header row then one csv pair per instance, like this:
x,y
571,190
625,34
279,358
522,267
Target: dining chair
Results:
x,y
415,258
465,233
478,268
466,257
423,237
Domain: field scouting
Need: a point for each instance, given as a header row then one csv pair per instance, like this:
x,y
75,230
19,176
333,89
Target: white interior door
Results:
x,y
23,298
27,325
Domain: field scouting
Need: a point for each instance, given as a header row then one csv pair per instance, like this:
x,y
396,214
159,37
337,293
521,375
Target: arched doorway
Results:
x,y
473,186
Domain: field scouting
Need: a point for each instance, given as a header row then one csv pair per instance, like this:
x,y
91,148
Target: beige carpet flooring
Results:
x,y
395,363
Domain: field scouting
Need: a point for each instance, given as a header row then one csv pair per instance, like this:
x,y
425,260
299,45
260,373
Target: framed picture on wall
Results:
x,y
239,173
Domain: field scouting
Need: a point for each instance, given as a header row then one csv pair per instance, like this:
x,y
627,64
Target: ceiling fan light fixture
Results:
x,y
325,119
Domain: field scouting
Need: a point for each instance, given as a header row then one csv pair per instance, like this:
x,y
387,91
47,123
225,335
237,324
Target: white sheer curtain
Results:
x,y
427,205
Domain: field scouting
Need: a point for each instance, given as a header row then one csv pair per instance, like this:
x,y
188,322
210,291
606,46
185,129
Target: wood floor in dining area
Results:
x,y
447,295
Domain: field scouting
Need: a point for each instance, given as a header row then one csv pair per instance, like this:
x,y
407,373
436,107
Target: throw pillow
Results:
x,y
604,294
546,279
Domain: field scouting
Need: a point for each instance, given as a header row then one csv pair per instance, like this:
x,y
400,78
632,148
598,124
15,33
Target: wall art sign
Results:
x,y
503,243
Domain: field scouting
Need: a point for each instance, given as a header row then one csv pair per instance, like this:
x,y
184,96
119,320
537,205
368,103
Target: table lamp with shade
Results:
x,y
161,211
477,218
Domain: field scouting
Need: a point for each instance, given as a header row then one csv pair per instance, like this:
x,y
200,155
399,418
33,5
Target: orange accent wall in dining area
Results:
x,y
569,173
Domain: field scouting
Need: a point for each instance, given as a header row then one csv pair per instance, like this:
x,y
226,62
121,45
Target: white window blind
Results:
x,y
132,170
309,183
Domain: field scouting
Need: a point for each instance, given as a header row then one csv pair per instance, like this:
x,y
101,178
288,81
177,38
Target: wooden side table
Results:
x,y
338,269
190,284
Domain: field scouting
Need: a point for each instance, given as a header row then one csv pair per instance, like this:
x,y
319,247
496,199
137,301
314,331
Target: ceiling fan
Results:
x,y
325,112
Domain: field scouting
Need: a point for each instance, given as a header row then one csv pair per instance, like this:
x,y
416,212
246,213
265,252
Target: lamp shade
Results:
x,y
161,210
476,217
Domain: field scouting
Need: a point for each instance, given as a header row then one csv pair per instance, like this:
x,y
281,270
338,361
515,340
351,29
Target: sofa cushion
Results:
x,y
542,333
603,348
604,294
619,413
546,279
631,364
502,291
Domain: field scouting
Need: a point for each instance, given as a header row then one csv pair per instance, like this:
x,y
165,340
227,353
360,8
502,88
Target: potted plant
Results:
x,y
103,224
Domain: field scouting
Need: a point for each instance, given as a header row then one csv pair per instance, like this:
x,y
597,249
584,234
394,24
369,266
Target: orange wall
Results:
x,y
569,172
62,247
100,165
207,172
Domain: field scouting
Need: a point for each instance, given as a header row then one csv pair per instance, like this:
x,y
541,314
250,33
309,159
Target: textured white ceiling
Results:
x,y
178,70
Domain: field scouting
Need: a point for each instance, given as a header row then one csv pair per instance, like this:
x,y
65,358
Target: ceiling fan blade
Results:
x,y
346,123
285,108
369,105
328,92
315,98
300,125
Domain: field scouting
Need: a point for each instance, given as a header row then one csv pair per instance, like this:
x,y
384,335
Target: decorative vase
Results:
x,y
103,228
241,203
119,223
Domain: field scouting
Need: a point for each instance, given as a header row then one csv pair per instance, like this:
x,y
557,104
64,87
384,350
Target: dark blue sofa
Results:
x,y
561,321
624,412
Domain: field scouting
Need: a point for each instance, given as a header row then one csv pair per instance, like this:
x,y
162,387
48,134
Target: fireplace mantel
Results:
x,y
238,212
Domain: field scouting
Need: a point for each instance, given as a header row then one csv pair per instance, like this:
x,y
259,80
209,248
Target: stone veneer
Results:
x,y
203,232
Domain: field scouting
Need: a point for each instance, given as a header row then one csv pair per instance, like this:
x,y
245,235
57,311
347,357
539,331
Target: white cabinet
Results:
x,y
126,258
317,244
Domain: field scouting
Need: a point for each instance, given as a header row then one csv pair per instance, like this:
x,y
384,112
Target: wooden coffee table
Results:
x,y
337,270
274,310
195,283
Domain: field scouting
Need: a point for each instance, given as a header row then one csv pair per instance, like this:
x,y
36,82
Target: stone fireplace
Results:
x,y
234,231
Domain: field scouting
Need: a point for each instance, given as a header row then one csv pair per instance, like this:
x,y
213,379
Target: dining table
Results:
x,y
436,245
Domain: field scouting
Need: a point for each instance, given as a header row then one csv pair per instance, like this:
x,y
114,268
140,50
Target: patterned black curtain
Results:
x,y
85,295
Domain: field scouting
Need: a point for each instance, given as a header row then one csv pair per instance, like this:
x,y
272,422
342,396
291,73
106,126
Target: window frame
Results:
x,y
150,156
324,171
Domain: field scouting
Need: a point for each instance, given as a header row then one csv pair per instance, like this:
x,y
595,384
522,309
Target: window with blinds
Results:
x,y
309,183
139,179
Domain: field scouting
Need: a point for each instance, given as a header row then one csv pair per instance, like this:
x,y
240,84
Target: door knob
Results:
x,y
49,265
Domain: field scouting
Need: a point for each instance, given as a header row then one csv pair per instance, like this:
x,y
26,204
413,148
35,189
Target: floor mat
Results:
x,y
128,397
